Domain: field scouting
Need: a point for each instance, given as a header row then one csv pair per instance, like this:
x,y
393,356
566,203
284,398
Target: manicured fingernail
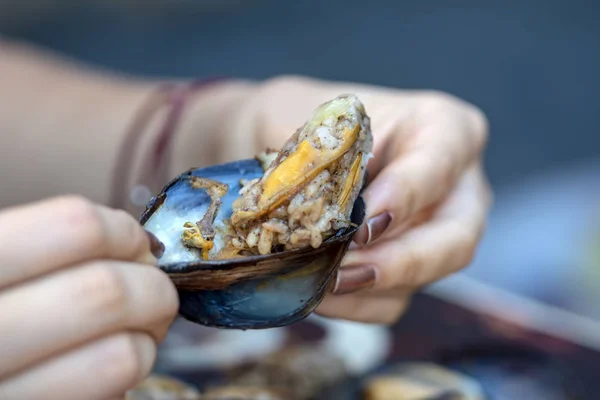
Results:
x,y
156,246
353,279
373,229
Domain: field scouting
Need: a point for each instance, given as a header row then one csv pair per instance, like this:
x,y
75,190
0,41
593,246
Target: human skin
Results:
x,y
82,297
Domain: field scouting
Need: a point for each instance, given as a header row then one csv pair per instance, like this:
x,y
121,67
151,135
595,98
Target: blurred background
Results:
x,y
532,66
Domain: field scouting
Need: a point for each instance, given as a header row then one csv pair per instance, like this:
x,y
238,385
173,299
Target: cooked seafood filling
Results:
x,y
201,234
307,191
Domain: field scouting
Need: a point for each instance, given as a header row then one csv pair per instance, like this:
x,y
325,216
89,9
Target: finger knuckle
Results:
x,y
137,240
168,294
436,101
479,123
408,200
122,364
468,240
447,170
103,291
84,219
408,270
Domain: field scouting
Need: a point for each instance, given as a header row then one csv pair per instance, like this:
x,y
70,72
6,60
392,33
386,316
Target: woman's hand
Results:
x,y
427,199
82,306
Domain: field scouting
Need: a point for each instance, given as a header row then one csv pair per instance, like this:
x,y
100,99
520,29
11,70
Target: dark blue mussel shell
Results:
x,y
254,292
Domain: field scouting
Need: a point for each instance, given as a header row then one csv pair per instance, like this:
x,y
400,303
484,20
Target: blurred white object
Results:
x,y
362,346
537,263
191,347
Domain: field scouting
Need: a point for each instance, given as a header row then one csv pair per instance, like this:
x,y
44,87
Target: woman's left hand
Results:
x,y
427,199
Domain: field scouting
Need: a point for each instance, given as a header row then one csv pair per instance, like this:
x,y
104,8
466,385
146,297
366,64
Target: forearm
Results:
x,y
62,125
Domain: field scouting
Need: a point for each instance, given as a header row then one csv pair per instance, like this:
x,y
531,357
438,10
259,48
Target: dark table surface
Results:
x,y
498,354
509,361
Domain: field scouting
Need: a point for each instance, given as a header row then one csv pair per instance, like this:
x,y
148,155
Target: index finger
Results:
x,y
447,137
39,238
435,249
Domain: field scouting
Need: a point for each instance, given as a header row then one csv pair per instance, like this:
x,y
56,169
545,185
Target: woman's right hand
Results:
x,y
82,306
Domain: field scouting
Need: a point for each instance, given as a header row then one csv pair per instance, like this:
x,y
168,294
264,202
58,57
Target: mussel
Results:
x,y
245,393
421,381
255,243
302,372
163,387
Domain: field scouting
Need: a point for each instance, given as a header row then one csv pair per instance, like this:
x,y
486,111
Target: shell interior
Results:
x,y
180,203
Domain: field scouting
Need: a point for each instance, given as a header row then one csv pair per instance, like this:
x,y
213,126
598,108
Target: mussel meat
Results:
x,y
244,393
254,243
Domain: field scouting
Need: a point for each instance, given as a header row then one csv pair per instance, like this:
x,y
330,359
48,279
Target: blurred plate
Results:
x,y
191,348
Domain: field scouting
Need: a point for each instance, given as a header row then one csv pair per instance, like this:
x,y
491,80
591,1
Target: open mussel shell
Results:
x,y
254,292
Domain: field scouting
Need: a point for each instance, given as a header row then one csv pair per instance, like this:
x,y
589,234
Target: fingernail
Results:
x,y
373,229
353,279
156,246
